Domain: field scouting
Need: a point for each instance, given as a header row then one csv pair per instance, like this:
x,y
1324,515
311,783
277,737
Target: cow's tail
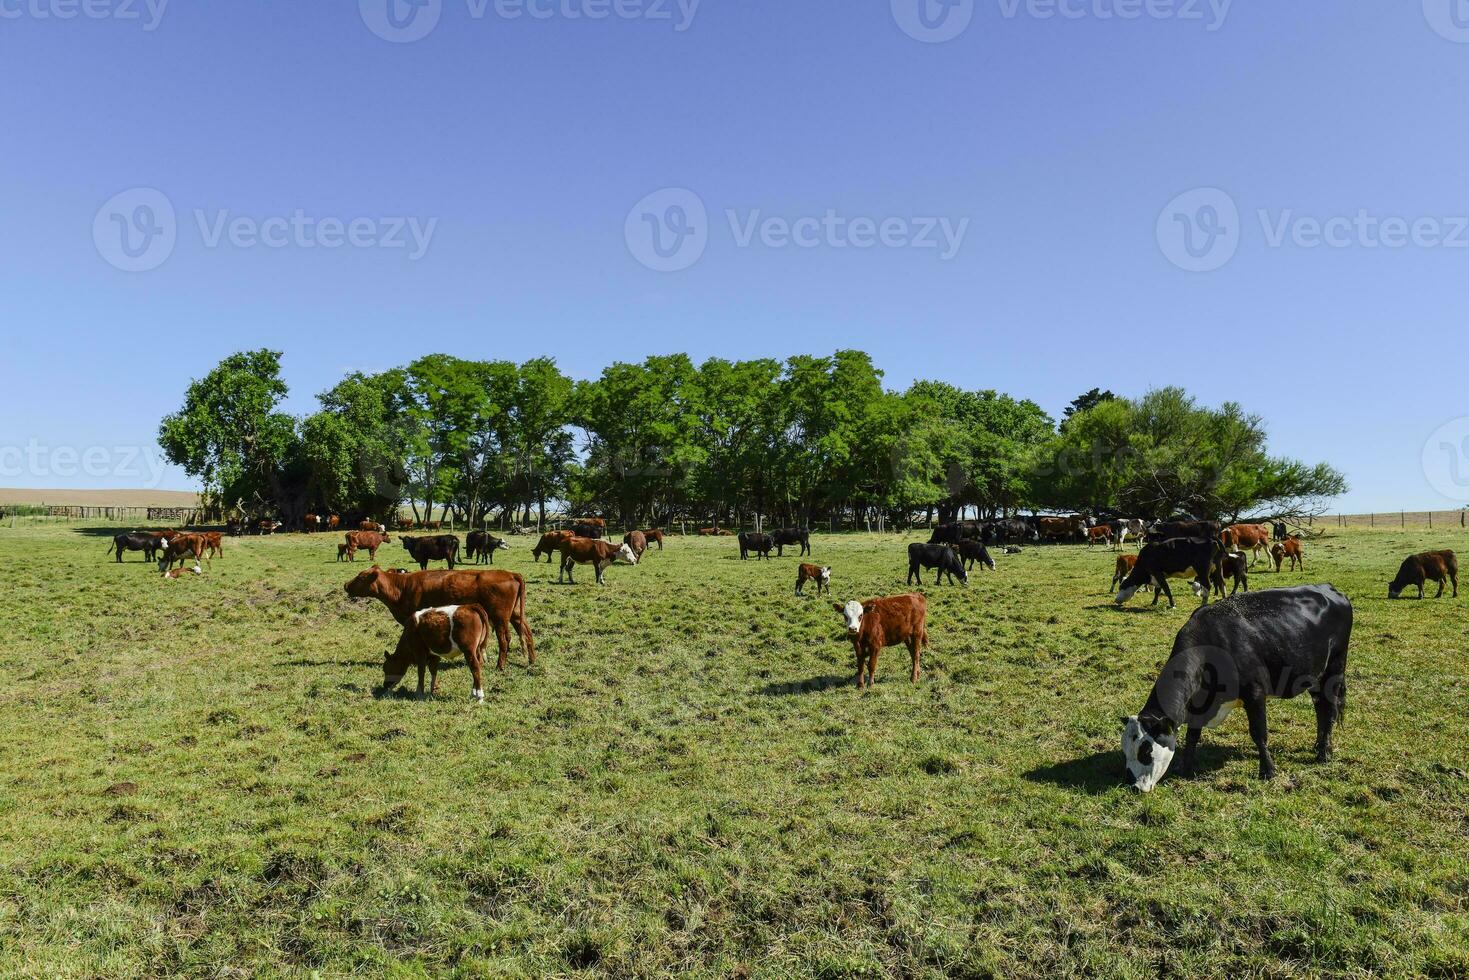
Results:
x,y
111,546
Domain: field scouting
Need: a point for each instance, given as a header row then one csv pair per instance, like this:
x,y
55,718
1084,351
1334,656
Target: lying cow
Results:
x,y
940,556
790,537
1289,548
875,624
501,594
482,546
177,573
436,633
819,574
440,547
971,551
550,545
1430,566
1196,558
591,551
1276,643
760,544
148,544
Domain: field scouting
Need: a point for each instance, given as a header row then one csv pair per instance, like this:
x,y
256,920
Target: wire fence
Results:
x,y
1402,518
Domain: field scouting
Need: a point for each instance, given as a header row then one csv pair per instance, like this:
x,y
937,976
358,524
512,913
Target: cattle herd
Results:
x,y
1272,644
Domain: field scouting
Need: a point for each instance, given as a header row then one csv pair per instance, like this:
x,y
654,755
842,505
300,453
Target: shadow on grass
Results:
x,y
1094,774
330,663
823,683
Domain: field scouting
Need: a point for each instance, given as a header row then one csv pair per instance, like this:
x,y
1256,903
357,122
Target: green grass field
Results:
x,y
198,779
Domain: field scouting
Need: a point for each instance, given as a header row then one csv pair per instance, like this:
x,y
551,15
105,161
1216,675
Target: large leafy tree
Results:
x,y
357,443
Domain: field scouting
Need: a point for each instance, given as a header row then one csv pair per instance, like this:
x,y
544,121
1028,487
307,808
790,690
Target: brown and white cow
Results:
x,y
501,594
1254,538
874,624
820,574
592,551
311,523
368,541
1101,534
1289,548
173,574
372,526
440,632
550,545
183,546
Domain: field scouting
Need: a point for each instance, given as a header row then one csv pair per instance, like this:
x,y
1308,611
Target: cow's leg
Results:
x,y
502,637
915,647
1164,590
857,649
474,658
1189,757
1453,577
422,666
1325,718
433,673
1255,711
912,569
872,665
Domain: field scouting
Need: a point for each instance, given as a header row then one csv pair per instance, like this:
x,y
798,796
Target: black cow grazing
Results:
x,y
790,537
148,544
1163,530
1278,531
940,556
482,546
1430,566
958,531
1275,643
974,551
760,544
440,547
593,531
1159,561
1235,565
1010,531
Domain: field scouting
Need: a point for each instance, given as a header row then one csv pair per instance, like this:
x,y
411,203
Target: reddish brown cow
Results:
x,y
597,521
437,633
181,547
501,594
178,573
819,574
333,522
1061,528
310,523
405,525
346,551
214,541
1254,538
595,552
1289,548
637,541
1122,569
372,526
368,540
654,534
1102,533
550,544
1430,566
874,624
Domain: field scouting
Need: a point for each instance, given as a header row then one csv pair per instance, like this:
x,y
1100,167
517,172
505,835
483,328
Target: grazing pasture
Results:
x,y
198,777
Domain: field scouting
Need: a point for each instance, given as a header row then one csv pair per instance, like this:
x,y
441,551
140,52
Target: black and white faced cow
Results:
x,y
1192,558
1275,643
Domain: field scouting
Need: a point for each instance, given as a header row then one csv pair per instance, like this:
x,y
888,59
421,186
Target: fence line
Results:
x,y
1402,518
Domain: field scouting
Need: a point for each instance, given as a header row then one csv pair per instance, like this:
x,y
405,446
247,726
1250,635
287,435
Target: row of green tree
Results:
x,y
807,440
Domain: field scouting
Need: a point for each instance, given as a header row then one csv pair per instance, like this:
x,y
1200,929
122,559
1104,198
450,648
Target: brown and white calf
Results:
x,y
819,574
184,546
181,571
438,632
1101,534
874,624
1289,548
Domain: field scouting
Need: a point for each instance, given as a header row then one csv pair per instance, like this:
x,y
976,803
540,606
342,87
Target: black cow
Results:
x,y
482,546
1159,561
791,536
593,531
1275,643
760,544
1010,531
148,544
1278,531
1234,565
440,547
958,531
1163,530
940,556
974,551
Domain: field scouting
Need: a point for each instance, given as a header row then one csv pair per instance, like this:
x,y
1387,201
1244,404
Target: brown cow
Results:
x,y
819,574
333,522
1061,528
877,623
1289,548
182,546
369,540
595,521
1101,533
178,573
550,544
310,523
405,524
502,594
654,534
1122,569
1430,566
1254,538
372,526
637,541
592,551
346,551
266,526
437,633
214,541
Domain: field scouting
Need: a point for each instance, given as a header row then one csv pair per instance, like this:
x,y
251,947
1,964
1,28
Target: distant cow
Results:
x,y
1164,530
875,624
1233,566
594,521
345,552
1010,531
1196,558
310,523
148,544
1129,527
790,537
1289,548
654,534
368,541
819,574
500,593
441,632
214,543
1254,538
939,556
591,551
333,522
550,545
974,551
1430,566
1062,528
267,526
439,547
1279,531
1101,534
482,546
637,541
585,530
372,526
760,544
1275,643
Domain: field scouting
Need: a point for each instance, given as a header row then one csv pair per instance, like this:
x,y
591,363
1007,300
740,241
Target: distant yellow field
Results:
x,y
101,498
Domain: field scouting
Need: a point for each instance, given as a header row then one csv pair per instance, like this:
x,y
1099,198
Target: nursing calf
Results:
x,y
441,632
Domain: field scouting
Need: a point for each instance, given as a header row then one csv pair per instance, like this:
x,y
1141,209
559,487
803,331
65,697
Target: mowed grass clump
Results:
x,y
199,778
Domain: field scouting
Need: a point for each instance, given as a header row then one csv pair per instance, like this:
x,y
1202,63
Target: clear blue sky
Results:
x,y
1060,139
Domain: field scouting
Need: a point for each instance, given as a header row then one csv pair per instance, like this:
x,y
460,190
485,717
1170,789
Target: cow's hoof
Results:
x,y
1267,773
